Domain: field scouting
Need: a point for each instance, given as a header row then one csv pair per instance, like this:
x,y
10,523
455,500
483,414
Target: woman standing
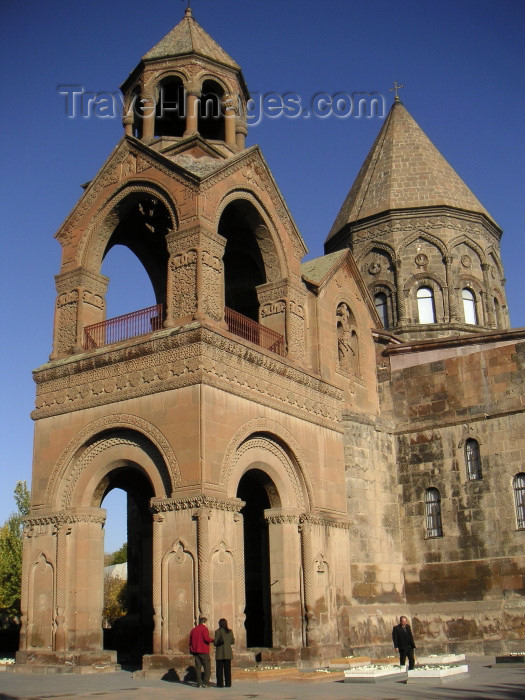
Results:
x,y
223,641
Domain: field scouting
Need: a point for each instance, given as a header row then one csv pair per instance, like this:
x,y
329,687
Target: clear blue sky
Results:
x,y
461,64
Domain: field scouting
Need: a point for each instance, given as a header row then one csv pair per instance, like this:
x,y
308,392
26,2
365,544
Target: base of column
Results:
x,y
49,662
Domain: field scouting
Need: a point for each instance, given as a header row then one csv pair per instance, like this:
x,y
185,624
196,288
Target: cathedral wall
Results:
x,y
465,576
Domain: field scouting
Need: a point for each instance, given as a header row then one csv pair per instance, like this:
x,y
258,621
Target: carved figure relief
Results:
x,y
347,342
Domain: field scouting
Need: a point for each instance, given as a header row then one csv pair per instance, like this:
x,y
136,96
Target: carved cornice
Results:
x,y
165,505
340,522
173,360
282,519
58,519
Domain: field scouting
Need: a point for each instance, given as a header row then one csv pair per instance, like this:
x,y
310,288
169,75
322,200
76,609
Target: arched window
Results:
x,y
497,313
211,116
170,109
469,306
381,302
519,499
473,459
425,305
433,513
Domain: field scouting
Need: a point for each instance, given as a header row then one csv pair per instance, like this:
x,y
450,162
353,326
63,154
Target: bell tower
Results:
x,y
190,406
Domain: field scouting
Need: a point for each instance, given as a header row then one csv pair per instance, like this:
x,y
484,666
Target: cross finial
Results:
x,y
395,89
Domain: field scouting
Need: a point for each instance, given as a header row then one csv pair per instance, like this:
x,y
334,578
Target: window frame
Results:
x,y
473,460
433,520
518,487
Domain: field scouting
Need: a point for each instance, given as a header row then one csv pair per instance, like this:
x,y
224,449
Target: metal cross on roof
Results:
x,y
395,89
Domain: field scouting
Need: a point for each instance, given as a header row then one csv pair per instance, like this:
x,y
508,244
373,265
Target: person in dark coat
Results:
x,y
404,642
200,641
223,641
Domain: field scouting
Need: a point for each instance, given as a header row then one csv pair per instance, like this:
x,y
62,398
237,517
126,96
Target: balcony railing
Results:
x,y
251,330
123,327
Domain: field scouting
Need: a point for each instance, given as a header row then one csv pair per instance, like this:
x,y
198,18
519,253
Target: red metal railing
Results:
x,y
123,327
251,330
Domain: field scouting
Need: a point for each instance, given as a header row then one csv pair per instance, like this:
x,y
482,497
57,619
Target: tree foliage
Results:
x,y
11,554
120,556
115,599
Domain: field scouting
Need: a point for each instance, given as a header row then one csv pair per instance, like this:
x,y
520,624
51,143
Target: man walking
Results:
x,y
404,642
200,641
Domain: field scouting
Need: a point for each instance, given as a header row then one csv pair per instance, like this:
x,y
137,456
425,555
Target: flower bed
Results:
x,y
440,659
373,673
515,657
4,663
321,675
436,672
263,673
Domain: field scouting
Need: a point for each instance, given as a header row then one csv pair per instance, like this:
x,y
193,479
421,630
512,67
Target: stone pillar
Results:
x,y
488,305
195,288
285,561
26,551
148,111
80,303
307,561
281,308
158,519
241,132
192,110
400,295
240,583
228,106
62,531
453,316
202,516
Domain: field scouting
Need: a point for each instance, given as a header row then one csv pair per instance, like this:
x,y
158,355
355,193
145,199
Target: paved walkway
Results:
x,y
485,682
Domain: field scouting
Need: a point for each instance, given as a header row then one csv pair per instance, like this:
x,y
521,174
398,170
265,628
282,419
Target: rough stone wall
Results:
x,y
477,393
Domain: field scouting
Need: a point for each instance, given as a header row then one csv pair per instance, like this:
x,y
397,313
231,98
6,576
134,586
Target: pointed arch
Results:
x,y
425,236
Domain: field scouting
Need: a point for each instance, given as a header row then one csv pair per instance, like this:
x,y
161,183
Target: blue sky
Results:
x,y
461,64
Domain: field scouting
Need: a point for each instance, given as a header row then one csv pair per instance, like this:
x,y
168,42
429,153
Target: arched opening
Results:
x,y
381,303
469,306
473,459
211,117
136,111
131,634
433,513
253,489
243,263
425,305
143,222
170,108
498,316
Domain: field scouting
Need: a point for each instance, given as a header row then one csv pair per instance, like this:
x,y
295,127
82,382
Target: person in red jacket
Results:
x,y
200,641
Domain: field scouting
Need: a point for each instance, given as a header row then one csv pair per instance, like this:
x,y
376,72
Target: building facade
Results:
x,y
308,448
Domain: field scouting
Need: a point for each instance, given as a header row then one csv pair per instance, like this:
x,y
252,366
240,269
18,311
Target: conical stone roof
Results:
x,y
404,170
188,37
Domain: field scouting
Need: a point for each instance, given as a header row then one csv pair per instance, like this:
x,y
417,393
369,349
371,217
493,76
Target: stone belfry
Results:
x,y
206,409
428,250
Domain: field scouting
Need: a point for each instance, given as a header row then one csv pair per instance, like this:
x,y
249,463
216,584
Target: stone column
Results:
x,y
80,303
240,583
305,528
228,106
148,111
281,308
62,531
285,589
202,516
241,131
451,292
26,549
192,110
400,295
195,288
158,519
489,318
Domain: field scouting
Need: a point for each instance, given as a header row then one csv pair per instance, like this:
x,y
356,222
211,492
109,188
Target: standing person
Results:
x,y
223,641
200,641
404,642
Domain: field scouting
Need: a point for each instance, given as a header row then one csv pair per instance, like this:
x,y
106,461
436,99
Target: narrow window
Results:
x,y
381,303
497,313
473,459
433,513
469,307
425,305
519,499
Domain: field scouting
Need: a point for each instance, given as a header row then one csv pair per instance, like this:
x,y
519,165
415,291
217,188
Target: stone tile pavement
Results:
x,y
486,681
